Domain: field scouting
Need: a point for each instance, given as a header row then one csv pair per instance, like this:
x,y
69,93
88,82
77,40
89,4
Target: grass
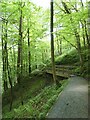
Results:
x,y
39,105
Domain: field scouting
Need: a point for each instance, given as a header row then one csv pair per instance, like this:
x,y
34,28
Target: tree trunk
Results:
x,y
4,56
3,60
36,62
29,54
83,34
52,46
60,46
79,49
10,82
88,41
19,60
87,37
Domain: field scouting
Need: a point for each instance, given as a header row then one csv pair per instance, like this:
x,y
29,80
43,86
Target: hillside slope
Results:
x,y
38,95
72,58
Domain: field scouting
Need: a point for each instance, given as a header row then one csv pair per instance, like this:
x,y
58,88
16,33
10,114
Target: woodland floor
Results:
x,y
34,85
73,101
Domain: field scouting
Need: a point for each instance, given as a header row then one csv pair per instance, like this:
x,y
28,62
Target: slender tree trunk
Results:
x,y
10,82
14,60
60,46
26,64
52,46
79,49
4,55
83,34
29,54
70,43
88,25
87,37
83,26
36,62
3,60
6,64
7,68
19,60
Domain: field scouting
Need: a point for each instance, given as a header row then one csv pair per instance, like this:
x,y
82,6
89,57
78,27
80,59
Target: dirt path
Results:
x,y
73,101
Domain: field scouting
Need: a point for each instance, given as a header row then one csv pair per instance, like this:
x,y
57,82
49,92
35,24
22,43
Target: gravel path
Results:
x,y
73,100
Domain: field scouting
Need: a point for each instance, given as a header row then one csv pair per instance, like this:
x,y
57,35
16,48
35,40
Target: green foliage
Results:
x,y
72,58
69,58
38,106
39,48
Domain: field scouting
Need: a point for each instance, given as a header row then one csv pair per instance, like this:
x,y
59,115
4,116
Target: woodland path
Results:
x,y
73,100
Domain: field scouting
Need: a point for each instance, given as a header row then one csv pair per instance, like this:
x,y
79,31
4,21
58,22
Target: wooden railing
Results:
x,y
62,70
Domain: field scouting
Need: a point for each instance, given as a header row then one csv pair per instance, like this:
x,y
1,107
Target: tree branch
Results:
x,y
70,43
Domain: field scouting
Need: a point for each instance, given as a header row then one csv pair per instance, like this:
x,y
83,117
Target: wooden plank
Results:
x,y
63,74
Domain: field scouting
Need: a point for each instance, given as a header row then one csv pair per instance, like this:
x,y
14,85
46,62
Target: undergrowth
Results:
x,y
72,58
38,106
